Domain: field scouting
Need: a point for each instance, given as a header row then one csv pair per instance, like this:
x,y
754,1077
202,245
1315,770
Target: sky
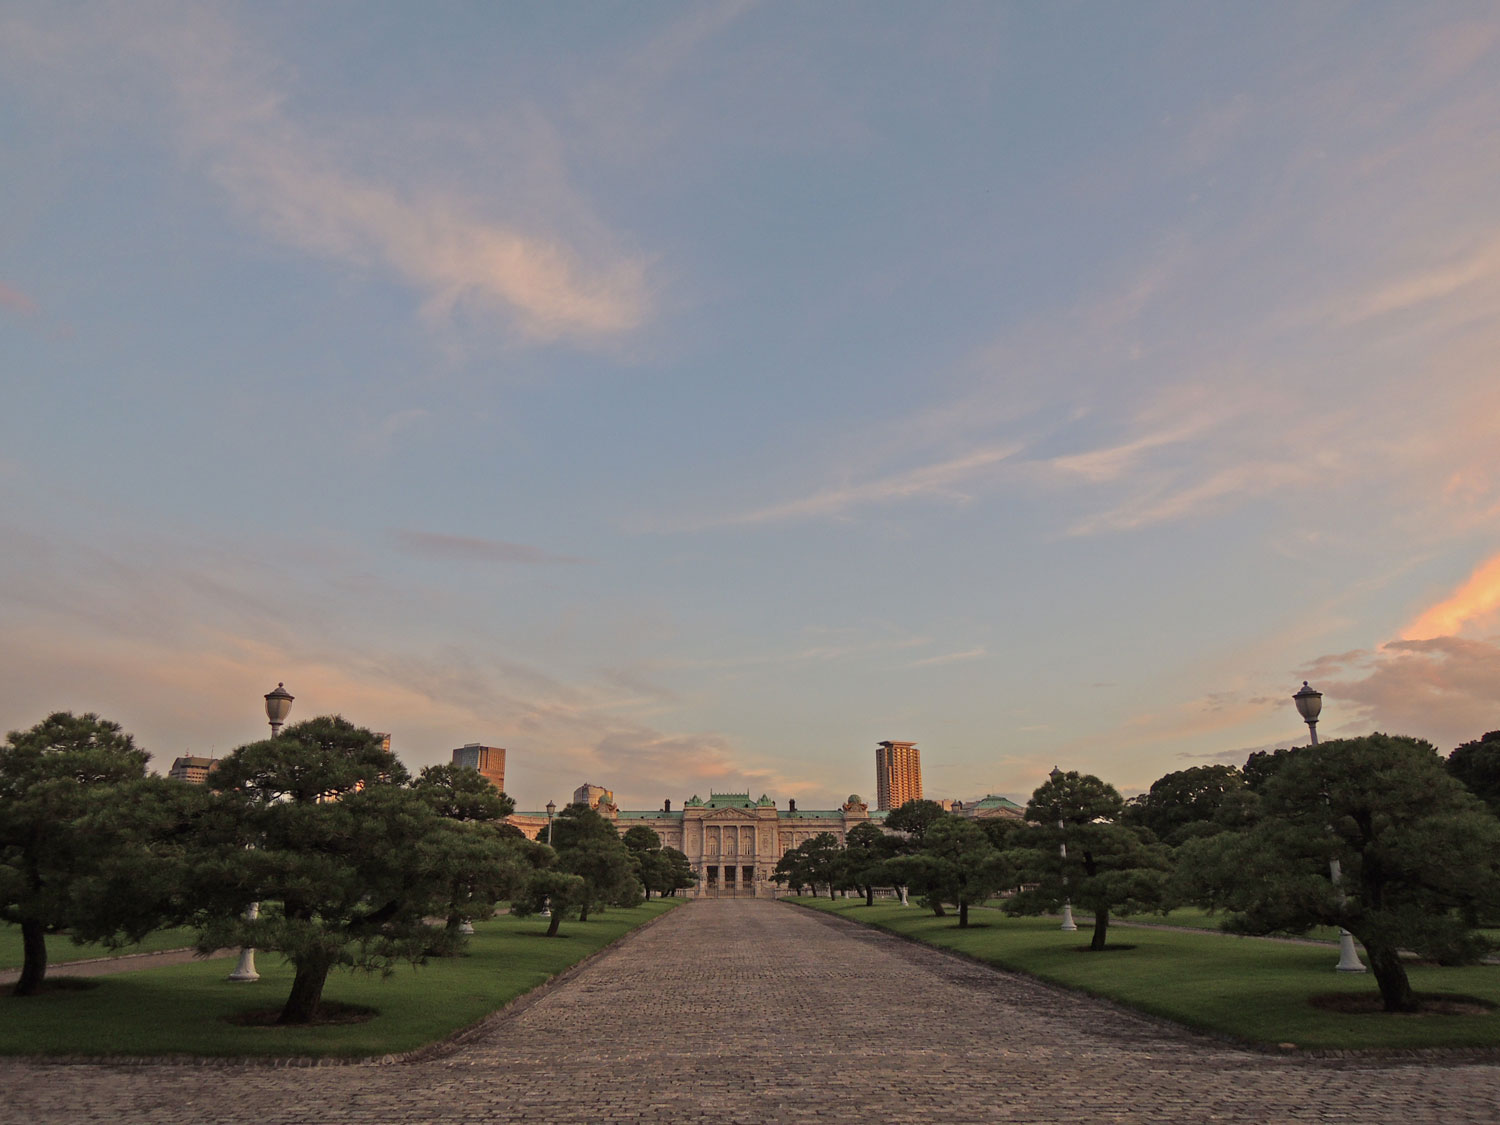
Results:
x,y
686,397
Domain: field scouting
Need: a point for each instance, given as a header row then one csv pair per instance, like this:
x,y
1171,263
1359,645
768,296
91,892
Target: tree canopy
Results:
x,y
960,865
79,824
588,845
1477,765
1417,851
1075,849
347,863
1188,803
912,818
462,793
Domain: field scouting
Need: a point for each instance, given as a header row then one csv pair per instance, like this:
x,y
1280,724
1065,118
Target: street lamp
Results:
x,y
1309,706
546,911
278,706
278,703
1068,925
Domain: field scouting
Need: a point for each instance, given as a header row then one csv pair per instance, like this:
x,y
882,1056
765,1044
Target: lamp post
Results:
x,y
546,911
1068,925
1309,705
278,706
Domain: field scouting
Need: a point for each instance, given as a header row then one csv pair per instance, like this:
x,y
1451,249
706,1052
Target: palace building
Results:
x,y
732,842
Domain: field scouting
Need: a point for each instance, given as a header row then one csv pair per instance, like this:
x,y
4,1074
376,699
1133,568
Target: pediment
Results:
x,y
744,816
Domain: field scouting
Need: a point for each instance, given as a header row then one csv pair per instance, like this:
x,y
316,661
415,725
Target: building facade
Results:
x,y
898,774
488,760
731,841
192,769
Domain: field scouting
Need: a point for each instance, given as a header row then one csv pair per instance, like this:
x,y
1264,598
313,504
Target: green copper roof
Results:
x,y
994,801
647,814
812,814
729,801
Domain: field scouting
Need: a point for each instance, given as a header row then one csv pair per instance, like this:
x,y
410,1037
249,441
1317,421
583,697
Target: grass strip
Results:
x,y
1255,990
61,949
185,1009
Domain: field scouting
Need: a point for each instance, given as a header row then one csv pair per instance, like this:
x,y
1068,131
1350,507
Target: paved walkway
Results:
x,y
750,1011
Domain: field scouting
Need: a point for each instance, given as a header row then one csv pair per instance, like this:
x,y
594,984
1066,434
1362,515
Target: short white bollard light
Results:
x,y
245,970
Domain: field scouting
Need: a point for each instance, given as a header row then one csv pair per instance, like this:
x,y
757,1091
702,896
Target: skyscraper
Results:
x,y
488,760
898,774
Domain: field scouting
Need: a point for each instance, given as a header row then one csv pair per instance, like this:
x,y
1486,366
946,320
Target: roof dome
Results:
x,y
853,799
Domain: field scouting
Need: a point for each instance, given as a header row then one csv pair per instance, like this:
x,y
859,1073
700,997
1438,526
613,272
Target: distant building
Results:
x,y
488,760
192,769
385,740
988,807
898,774
593,795
732,841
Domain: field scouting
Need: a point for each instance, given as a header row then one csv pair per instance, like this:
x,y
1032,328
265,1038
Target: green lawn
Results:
x,y
61,948
1194,919
184,1009
1250,988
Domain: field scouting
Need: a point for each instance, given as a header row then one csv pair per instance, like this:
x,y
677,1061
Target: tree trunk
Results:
x,y
870,895
583,913
1390,975
307,993
937,909
963,913
1101,927
554,923
34,959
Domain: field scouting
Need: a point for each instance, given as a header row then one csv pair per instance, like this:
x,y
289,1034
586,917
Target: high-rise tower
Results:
x,y
488,760
898,774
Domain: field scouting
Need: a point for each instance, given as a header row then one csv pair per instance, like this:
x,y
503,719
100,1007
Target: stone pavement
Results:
x,y
752,1011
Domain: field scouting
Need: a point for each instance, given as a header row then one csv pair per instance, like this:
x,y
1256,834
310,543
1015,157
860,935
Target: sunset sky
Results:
x,y
690,396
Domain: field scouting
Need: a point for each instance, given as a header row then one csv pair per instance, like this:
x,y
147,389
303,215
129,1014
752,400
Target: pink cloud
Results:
x,y
18,302
1444,689
1476,601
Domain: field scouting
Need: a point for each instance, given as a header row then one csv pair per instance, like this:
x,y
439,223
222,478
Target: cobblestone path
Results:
x,y
750,1011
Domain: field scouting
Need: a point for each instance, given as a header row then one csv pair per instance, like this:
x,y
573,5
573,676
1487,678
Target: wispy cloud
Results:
x,y
471,549
1425,285
944,480
1179,500
950,658
237,118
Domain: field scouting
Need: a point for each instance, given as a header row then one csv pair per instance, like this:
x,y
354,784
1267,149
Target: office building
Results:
x,y
488,760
